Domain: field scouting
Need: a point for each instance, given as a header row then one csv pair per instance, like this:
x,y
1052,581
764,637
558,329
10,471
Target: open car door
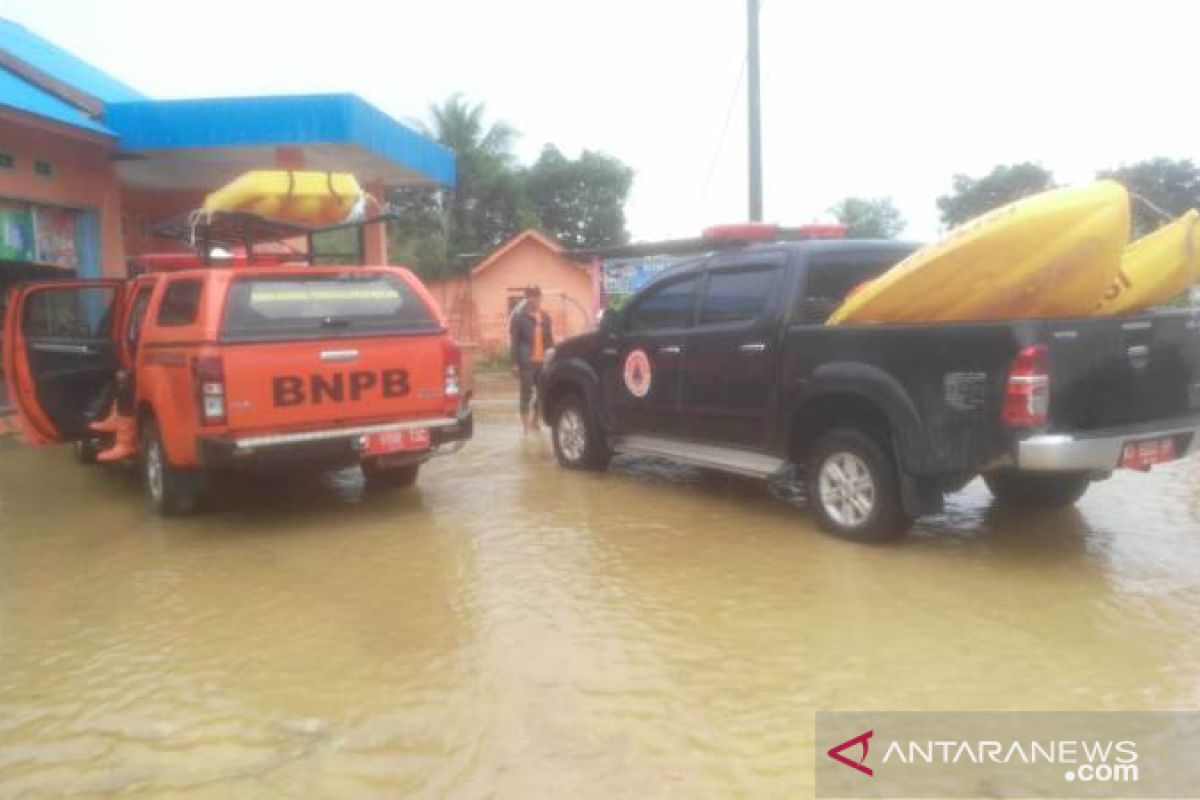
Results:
x,y
60,355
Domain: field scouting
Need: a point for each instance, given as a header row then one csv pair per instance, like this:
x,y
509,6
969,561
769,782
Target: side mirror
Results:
x,y
606,319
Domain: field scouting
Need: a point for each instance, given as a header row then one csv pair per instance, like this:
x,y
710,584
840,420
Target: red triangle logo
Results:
x,y
835,752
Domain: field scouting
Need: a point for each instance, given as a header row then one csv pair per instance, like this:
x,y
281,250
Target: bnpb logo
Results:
x,y
638,375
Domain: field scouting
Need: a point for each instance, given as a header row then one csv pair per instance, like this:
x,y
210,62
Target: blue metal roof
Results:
x,y
16,93
273,121
143,124
51,59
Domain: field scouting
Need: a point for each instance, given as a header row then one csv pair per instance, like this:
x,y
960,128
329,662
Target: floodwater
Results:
x,y
511,630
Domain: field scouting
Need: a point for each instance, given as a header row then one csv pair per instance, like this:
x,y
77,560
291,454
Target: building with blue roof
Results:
x,y
89,166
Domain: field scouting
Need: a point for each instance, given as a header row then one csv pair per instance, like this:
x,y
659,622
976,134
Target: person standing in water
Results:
x,y
530,336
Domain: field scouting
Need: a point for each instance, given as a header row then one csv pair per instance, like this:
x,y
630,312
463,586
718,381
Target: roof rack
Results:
x,y
227,229
232,229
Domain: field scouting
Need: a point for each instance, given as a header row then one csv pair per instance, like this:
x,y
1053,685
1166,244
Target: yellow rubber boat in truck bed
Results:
x,y
1054,254
1156,268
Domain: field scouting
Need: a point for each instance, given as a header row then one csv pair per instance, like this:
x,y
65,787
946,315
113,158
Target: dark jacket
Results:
x,y
520,334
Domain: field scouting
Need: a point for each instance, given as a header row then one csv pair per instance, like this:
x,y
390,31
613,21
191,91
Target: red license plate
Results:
x,y
1147,453
397,441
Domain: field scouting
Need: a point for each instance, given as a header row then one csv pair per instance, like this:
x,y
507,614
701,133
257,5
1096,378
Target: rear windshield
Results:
x,y
273,307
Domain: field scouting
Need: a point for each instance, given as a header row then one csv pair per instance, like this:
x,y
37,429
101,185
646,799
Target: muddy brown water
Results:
x,y
510,630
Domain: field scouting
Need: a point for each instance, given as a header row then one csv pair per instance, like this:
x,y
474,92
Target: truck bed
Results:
x,y
949,379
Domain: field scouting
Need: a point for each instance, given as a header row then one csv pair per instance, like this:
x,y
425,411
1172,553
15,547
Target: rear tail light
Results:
x,y
208,372
1027,397
451,380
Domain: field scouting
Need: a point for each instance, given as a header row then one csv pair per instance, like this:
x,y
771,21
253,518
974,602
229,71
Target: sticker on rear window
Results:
x,y
309,294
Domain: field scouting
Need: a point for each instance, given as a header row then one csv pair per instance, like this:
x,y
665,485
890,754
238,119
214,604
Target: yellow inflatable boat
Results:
x,y
311,199
1050,255
1156,268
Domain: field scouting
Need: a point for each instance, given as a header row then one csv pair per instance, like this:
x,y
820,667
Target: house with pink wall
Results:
x,y
478,303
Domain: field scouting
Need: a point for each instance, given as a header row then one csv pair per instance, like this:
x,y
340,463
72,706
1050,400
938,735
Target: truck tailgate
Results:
x,y
1112,371
330,349
331,383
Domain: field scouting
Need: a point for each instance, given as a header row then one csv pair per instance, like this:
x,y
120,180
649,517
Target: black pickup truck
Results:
x,y
725,362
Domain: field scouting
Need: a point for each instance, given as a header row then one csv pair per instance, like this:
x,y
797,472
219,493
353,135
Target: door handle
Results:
x,y
753,347
339,355
670,350
53,347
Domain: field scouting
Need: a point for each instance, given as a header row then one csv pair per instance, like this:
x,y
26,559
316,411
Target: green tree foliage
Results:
x,y
436,225
869,218
1163,189
971,197
579,202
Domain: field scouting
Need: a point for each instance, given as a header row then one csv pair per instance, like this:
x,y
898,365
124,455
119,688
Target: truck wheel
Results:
x,y
578,442
853,488
1034,490
171,491
378,476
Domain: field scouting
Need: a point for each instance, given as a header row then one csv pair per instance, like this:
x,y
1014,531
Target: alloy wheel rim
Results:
x,y
847,489
572,434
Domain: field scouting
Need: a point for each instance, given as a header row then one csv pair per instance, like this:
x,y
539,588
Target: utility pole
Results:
x,y
753,105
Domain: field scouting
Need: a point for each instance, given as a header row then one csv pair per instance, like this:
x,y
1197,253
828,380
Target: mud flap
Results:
x,y
921,496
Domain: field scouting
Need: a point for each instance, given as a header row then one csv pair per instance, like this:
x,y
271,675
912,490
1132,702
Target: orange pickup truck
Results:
x,y
228,368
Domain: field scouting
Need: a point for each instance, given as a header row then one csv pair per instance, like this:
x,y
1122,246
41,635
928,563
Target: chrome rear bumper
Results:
x,y
1061,452
277,439
331,446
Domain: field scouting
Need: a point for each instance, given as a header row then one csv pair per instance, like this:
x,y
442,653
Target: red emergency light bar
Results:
x,y
716,237
827,231
769,232
171,262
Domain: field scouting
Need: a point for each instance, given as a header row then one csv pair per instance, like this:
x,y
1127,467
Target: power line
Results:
x,y
737,89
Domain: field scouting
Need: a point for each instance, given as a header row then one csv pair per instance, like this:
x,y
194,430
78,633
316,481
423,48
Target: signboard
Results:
x,y
622,276
38,234
55,229
17,242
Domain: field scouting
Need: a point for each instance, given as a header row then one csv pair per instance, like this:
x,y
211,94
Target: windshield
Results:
x,y
323,306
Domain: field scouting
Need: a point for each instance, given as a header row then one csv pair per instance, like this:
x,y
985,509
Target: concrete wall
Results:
x,y
83,177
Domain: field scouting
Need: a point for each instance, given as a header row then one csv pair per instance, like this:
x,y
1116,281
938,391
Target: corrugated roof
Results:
x,y
18,94
47,57
280,120
38,77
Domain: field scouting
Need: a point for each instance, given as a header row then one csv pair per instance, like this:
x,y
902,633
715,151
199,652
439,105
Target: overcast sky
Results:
x,y
868,98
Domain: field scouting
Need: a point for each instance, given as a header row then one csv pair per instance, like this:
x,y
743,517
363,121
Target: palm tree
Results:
x,y
486,169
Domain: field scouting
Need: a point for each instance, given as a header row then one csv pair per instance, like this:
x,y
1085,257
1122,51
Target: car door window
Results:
x,y
76,314
180,304
137,316
69,354
664,308
833,276
734,296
